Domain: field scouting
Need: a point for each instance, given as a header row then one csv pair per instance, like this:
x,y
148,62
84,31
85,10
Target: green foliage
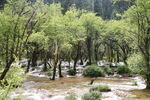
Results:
x,y
39,38
91,22
72,72
93,71
136,64
138,16
123,70
49,73
71,97
14,78
100,88
94,95
74,26
108,70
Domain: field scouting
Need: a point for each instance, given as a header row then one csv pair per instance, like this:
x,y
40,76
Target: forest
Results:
x,y
74,49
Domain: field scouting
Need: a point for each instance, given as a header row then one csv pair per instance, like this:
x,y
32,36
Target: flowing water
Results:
x,y
38,86
42,88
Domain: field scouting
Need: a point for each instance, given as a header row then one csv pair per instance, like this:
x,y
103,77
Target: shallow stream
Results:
x,y
42,88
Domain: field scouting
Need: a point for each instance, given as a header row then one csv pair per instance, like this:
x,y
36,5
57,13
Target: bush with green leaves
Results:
x,y
71,97
108,70
136,64
14,78
49,72
93,71
72,72
100,88
123,70
94,95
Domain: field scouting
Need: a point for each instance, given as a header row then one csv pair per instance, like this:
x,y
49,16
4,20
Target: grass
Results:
x,y
100,88
71,97
94,95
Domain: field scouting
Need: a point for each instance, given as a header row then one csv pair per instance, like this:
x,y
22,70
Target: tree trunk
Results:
x,y
60,74
55,60
81,60
28,66
45,63
8,61
6,69
118,59
148,69
96,52
54,71
81,63
69,63
89,50
77,56
148,81
124,60
34,59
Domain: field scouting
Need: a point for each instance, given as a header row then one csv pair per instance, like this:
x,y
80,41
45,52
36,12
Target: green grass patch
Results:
x,y
100,88
71,97
94,95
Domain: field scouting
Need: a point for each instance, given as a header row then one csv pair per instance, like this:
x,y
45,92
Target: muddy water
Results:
x,y
141,94
42,88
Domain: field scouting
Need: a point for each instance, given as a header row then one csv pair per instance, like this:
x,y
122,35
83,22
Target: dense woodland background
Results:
x,y
77,31
107,9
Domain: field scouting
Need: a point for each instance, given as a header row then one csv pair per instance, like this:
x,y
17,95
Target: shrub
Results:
x,y
49,73
108,70
93,71
123,70
136,64
71,97
72,72
94,95
14,78
100,88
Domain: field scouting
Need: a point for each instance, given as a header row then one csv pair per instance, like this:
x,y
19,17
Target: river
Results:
x,y
42,88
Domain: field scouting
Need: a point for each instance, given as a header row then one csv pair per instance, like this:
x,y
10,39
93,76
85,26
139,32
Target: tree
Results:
x,y
92,25
12,31
37,43
76,30
17,22
54,28
139,17
113,38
